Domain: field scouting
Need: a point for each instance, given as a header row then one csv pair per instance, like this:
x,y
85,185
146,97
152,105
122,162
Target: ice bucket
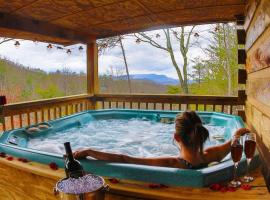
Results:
x,y
84,188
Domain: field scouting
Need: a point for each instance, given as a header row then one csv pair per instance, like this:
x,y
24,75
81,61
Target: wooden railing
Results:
x,y
227,104
27,113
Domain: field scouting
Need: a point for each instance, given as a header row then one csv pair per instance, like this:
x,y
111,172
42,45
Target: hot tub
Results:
x,y
133,132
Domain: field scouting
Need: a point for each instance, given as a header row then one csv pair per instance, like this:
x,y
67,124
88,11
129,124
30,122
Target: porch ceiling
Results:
x,y
72,21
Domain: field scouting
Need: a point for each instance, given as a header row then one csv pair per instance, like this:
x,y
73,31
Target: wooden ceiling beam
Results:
x,y
17,23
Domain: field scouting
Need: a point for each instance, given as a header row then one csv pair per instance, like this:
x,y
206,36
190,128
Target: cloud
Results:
x,y
141,58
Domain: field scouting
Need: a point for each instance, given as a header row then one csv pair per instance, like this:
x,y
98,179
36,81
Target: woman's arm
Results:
x,y
120,158
217,153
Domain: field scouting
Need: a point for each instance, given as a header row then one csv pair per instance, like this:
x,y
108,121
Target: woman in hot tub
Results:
x,y
189,136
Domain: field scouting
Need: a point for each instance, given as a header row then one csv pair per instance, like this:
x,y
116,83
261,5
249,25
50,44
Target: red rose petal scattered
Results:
x,y
10,158
231,189
215,187
246,187
3,154
154,186
53,166
114,180
224,189
24,160
163,186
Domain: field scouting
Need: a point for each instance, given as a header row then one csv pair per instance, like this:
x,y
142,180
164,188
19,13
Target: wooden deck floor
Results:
x,y
33,181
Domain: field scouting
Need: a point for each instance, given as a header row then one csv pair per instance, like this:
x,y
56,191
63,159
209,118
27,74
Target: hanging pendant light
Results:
x,y
17,44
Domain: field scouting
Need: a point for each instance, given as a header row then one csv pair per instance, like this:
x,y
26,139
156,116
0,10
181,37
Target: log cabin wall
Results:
x,y
257,46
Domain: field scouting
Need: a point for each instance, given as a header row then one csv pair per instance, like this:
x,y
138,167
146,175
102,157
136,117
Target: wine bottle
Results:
x,y
73,167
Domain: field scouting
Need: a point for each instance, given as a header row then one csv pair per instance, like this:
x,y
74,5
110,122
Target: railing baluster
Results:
x,y
146,106
171,106
124,104
28,118
179,106
54,113
110,105
49,113
66,109
197,106
4,124
116,104
204,107
12,121
42,115
162,106
155,106
103,104
130,105
36,117
139,105
231,109
222,108
20,120
61,111
214,107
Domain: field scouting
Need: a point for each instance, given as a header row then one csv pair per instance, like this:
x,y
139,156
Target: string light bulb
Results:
x,y
68,51
80,48
17,44
49,46
196,35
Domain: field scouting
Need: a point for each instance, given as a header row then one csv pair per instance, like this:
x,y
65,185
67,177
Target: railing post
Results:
x,y
3,101
92,71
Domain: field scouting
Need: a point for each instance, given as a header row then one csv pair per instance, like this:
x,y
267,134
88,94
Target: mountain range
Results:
x,y
156,78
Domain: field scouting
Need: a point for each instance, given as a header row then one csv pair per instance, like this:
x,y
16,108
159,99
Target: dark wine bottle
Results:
x,y
73,167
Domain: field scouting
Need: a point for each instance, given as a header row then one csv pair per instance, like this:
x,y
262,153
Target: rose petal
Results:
x,y
223,189
231,189
153,185
10,158
246,187
3,154
53,166
114,180
215,186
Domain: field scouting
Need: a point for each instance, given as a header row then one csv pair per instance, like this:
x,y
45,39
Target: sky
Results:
x,y
142,58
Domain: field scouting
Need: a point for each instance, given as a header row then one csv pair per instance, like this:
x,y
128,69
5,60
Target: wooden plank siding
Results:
x,y
257,26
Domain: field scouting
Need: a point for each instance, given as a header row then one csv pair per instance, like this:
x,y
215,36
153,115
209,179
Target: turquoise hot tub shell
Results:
x,y
14,142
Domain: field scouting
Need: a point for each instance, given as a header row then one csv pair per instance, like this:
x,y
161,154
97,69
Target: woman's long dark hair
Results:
x,y
188,123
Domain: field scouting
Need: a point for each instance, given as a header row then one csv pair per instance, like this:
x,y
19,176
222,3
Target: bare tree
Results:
x,y
184,39
109,43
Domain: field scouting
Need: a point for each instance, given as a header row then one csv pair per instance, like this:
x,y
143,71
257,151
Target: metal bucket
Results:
x,y
94,188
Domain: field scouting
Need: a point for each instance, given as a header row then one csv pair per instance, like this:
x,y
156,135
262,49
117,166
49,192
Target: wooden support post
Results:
x,y
92,71
242,95
242,76
242,56
241,36
242,114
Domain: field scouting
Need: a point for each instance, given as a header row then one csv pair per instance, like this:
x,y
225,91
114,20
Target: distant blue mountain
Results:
x,y
156,78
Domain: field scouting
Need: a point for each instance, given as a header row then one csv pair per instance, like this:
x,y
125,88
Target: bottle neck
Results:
x,y
69,151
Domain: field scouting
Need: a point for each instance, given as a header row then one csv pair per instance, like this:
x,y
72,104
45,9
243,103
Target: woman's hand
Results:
x,y
80,154
241,131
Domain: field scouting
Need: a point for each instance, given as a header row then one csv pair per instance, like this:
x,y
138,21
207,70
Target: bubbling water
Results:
x,y
135,137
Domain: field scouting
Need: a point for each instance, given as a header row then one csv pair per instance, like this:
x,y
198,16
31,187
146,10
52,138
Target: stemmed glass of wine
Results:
x,y
236,153
249,149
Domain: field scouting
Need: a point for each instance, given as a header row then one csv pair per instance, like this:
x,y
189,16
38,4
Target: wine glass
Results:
x,y
249,149
236,153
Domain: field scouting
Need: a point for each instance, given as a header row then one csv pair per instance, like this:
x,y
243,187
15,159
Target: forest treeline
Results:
x,y
21,83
